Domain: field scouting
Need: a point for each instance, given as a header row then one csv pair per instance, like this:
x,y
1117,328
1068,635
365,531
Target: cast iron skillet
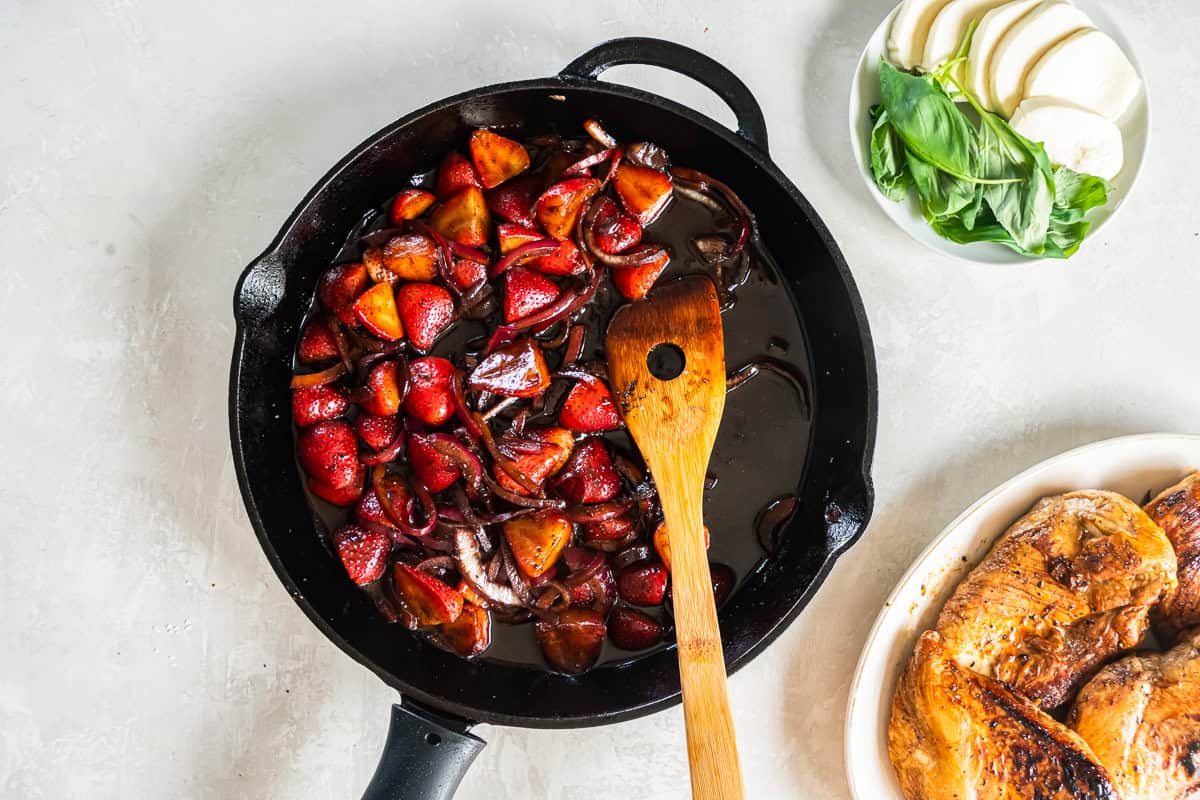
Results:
x,y
429,747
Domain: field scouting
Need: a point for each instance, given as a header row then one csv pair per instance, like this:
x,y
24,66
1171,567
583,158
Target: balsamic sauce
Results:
x,y
761,448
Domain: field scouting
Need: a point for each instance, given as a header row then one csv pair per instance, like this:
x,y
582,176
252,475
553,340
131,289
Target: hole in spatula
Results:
x,y
665,361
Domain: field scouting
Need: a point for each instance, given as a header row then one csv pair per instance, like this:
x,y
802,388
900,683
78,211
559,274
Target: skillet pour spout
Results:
x,y
429,746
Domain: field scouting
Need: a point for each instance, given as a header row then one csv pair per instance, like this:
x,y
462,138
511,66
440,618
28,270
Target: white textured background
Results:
x,y
148,150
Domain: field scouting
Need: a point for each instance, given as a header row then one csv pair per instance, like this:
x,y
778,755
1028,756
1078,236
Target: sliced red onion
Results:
x,y
598,133
549,594
515,580
642,254
500,406
321,378
599,512
705,182
618,154
567,304
583,563
459,395
520,499
585,164
772,519
388,454
613,545
437,565
648,154
526,252
470,566
632,555
744,374
395,534
576,338
471,467
339,340
468,253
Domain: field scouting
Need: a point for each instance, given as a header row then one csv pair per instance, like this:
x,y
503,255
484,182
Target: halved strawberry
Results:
x,y
643,584
567,261
537,540
635,282
467,274
376,310
328,452
455,173
383,390
589,408
377,431
497,158
313,404
663,544
317,343
469,635
410,204
631,629
410,257
370,509
426,309
538,463
364,553
515,370
429,397
434,470
614,230
513,202
643,191
571,640
463,217
342,495
511,236
429,599
340,286
589,477
525,292
560,206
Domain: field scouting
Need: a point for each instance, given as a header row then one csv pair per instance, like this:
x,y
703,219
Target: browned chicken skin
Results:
x,y
957,735
1066,588
1177,511
1141,717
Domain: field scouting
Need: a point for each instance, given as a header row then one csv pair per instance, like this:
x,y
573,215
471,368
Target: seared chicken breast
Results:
x,y
1141,717
1065,589
1177,512
957,735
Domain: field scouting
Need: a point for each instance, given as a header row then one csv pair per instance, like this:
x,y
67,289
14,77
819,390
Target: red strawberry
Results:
x,y
514,201
434,470
313,404
614,230
497,158
469,635
643,191
377,431
538,463
328,452
364,553
467,273
408,257
631,629
537,540
567,261
317,343
340,287
589,477
515,370
635,282
342,496
370,509
410,204
463,217
426,310
429,397
560,206
643,584
455,173
376,310
511,236
571,640
526,292
430,600
589,408
383,386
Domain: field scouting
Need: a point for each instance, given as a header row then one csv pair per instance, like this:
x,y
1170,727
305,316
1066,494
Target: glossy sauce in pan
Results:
x,y
762,447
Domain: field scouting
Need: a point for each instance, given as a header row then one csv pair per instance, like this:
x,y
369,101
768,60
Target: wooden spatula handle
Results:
x,y
712,747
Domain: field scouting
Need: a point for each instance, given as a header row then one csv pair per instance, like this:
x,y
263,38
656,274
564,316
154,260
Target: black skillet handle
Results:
x,y
684,60
424,758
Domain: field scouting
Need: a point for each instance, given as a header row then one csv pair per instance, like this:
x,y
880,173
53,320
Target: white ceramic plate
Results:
x,y
864,93
1132,465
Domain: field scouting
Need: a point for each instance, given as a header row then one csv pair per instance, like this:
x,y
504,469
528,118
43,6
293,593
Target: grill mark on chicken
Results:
x,y
1177,511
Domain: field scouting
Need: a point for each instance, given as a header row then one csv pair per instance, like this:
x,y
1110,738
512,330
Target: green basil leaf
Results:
x,y
928,122
941,194
889,166
1023,207
1078,191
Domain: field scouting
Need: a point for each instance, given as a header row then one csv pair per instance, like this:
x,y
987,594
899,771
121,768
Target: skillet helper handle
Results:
x,y
424,758
685,61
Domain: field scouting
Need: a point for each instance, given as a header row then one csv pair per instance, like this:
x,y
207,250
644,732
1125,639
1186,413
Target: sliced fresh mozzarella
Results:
x,y
1025,44
1073,137
906,39
1089,70
950,26
988,34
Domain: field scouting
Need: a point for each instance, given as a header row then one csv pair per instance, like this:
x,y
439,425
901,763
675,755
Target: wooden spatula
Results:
x,y
674,423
